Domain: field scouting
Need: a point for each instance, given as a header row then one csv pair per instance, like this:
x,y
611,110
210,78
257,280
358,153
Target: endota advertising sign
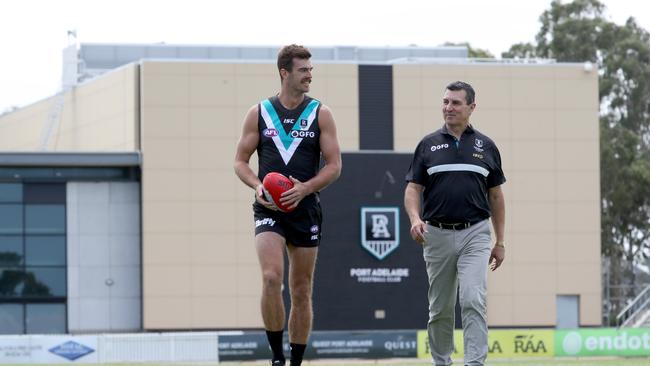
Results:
x,y
603,342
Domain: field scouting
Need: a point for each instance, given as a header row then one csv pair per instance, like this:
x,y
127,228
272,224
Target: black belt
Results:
x,y
451,226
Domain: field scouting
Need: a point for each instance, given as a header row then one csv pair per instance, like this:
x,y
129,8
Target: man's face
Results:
x,y
455,109
299,77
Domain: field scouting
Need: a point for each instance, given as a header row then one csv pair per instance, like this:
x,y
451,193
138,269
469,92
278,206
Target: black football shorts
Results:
x,y
301,227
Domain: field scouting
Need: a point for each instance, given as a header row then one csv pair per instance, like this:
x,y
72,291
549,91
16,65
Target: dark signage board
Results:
x,y
370,274
327,344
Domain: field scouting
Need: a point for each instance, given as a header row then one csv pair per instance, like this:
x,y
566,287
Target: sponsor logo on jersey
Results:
x,y
302,134
288,121
270,132
439,147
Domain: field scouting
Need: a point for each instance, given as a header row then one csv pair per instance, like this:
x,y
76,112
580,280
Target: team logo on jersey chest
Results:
x,y
478,144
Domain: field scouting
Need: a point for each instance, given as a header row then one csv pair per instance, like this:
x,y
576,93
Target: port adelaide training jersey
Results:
x,y
456,175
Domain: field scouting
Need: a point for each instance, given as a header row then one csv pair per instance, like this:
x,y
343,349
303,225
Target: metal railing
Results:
x,y
633,309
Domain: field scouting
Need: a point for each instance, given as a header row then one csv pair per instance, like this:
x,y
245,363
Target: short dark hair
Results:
x,y
288,53
461,85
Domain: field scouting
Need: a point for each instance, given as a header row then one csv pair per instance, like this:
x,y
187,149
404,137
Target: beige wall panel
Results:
x,y
532,186
337,69
176,185
248,312
407,93
540,124
97,116
167,280
249,280
534,310
407,71
535,279
211,68
251,90
213,249
166,249
165,122
157,309
501,281
210,217
446,72
165,217
578,248
578,185
495,123
212,91
213,153
578,217
488,71
526,97
347,127
578,155
405,122
533,155
342,91
534,72
492,93
213,185
156,68
578,278
165,90
590,310
533,217
539,248
210,312
500,310
505,150
577,94
432,92
215,122
165,153
265,69
246,253
213,280
577,124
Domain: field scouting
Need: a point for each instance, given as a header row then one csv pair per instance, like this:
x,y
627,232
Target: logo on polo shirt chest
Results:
x,y
439,147
478,145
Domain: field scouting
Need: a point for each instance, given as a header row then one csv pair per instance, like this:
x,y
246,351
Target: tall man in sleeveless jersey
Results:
x,y
290,132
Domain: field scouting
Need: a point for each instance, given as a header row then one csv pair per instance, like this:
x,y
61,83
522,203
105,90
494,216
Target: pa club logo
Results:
x,y
380,230
71,350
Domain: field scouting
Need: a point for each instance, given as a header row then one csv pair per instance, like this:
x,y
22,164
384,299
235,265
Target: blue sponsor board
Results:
x,y
324,344
71,350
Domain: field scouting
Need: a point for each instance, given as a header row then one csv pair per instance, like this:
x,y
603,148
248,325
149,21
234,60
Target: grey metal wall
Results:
x,y
103,250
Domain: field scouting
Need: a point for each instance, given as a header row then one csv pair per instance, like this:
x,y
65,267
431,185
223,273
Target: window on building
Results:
x,y
33,284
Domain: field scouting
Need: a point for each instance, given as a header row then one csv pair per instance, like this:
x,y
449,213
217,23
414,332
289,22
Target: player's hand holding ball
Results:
x,y
274,185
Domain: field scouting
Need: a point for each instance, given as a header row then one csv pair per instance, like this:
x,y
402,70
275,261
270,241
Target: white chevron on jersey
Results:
x,y
285,143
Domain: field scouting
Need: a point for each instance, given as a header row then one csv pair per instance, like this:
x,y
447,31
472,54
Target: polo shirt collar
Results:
x,y
468,130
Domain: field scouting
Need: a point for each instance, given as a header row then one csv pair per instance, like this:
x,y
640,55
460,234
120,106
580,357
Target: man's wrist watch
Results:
x,y
500,244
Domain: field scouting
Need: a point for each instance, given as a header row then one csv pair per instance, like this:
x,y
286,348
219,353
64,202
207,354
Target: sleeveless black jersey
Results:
x,y
289,139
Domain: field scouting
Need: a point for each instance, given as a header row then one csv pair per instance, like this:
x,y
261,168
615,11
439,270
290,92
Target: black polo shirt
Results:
x,y
456,175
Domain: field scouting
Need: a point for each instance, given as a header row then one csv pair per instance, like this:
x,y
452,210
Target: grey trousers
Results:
x,y
456,258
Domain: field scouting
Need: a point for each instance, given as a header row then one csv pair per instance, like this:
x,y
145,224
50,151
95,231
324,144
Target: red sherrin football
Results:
x,y
275,184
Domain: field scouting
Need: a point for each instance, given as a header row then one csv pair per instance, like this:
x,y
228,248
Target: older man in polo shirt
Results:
x,y
454,187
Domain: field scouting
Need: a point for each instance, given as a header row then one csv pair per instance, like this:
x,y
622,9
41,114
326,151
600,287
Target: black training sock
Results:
x,y
297,351
275,341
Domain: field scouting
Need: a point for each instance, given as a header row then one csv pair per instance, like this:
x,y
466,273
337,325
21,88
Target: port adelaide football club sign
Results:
x,y
380,230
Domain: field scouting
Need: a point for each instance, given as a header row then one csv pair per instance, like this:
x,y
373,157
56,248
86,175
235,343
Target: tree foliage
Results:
x,y
579,32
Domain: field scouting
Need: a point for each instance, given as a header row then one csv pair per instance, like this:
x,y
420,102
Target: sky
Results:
x,y
33,33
